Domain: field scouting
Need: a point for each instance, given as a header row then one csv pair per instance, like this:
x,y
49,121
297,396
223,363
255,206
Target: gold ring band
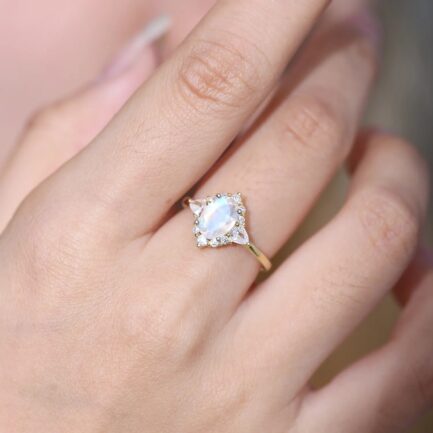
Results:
x,y
258,254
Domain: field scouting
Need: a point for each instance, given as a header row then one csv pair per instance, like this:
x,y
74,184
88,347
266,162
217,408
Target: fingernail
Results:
x,y
153,31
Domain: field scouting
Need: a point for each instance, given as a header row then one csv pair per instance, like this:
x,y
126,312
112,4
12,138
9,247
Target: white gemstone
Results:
x,y
196,206
201,241
218,217
240,236
214,243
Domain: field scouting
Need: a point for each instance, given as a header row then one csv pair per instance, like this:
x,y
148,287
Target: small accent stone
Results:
x,y
214,243
240,236
201,241
196,206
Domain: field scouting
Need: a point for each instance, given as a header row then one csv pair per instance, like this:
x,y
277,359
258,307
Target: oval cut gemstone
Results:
x,y
218,218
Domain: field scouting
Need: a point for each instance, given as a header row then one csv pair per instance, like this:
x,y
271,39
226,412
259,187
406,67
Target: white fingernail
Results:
x,y
153,31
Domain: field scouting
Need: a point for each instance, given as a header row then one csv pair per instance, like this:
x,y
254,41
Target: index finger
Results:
x,y
180,121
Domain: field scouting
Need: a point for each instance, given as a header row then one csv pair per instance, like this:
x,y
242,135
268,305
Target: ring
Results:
x,y
220,221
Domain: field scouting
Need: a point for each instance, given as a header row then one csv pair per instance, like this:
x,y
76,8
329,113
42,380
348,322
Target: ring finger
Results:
x,y
282,166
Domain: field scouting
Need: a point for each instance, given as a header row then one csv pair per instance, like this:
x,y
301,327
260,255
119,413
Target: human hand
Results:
x,y
112,320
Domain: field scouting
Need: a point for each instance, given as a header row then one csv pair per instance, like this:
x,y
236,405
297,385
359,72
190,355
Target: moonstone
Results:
x,y
218,217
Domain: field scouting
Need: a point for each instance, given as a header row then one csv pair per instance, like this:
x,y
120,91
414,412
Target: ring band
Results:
x,y
258,254
220,221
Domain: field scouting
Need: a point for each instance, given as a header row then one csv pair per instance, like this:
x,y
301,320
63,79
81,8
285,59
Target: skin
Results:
x,y
112,319
38,69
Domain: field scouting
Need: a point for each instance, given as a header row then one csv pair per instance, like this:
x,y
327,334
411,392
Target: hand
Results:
x,y
112,320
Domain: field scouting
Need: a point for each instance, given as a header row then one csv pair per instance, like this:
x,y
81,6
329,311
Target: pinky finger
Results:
x,y
388,390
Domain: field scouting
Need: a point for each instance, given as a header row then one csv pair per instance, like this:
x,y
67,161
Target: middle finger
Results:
x,y
281,168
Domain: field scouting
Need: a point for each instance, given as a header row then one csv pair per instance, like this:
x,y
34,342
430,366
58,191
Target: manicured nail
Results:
x,y
153,31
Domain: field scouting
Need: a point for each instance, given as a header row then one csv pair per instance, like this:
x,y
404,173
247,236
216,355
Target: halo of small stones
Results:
x,y
234,233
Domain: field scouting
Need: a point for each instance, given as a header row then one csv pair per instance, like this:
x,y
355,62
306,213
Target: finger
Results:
x,y
283,165
181,121
304,310
387,390
61,130
186,15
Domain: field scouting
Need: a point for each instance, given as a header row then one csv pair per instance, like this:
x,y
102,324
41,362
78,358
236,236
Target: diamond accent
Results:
x,y
240,236
219,220
201,241
196,206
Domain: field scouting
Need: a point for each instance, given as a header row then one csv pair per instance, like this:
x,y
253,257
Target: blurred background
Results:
x,y
403,103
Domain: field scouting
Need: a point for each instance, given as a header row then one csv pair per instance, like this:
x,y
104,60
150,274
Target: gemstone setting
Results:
x,y
219,220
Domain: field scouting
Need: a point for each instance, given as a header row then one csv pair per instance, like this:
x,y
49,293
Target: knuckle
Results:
x,y
391,223
155,332
227,398
54,245
173,329
54,121
43,117
39,233
140,324
312,124
217,75
49,117
228,402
